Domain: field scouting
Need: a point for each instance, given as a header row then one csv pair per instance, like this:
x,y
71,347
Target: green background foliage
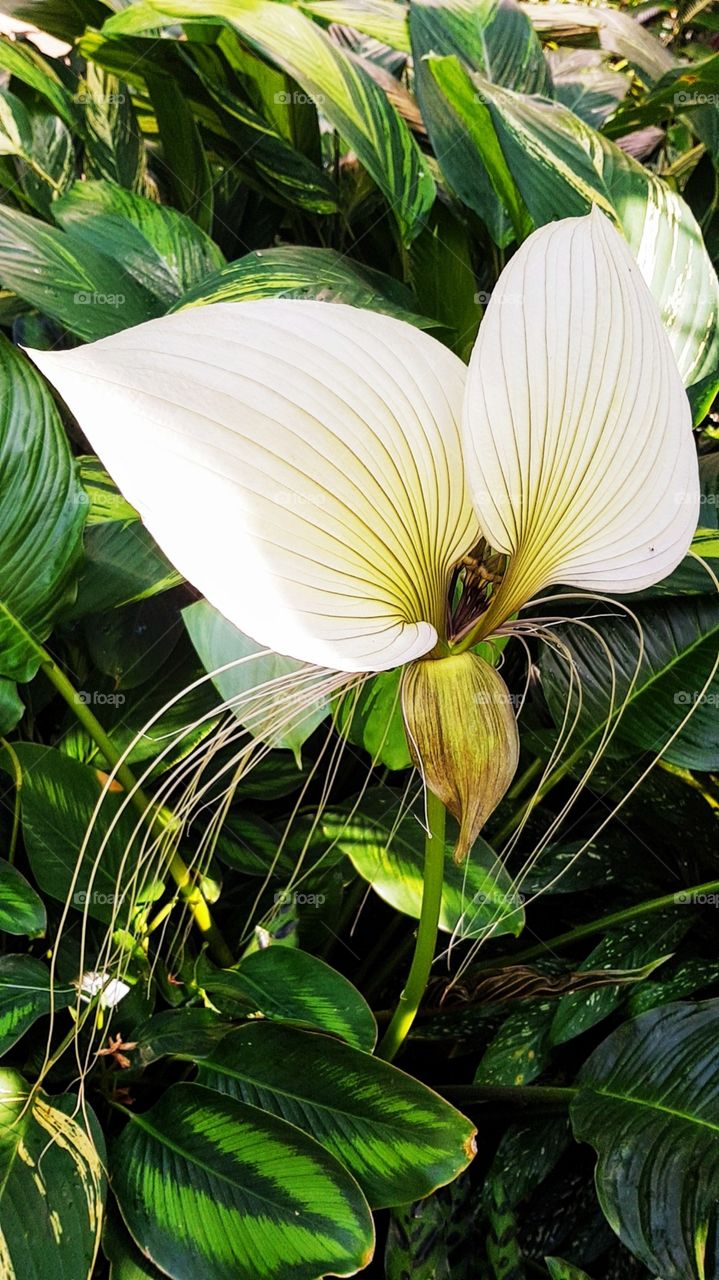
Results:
x,y
233,1120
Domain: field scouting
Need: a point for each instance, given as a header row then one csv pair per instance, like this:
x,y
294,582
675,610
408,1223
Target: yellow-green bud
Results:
x,y
463,737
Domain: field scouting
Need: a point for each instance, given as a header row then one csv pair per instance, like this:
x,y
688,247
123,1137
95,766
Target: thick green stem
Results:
x,y
416,985
161,819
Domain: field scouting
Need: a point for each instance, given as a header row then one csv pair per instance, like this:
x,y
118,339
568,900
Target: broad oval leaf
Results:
x,y
477,897
300,271
52,1184
399,1139
21,908
26,994
496,39
41,513
213,1188
161,248
66,278
59,796
290,985
648,1103
219,643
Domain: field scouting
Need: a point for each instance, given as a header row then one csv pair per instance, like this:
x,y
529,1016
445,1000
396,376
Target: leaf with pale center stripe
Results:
x,y
213,1188
649,1104
342,89
399,1139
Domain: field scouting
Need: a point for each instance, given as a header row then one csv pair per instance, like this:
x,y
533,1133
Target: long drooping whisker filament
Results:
x,y
156,847
563,743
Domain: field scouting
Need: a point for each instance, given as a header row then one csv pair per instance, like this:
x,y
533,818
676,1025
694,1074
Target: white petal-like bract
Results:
x,y
299,462
576,425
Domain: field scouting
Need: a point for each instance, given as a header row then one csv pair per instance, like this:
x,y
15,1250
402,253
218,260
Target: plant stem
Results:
x,y
680,897
410,999
161,819
552,1096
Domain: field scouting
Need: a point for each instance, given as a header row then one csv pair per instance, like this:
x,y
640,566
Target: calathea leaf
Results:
x,y
41,514
210,1187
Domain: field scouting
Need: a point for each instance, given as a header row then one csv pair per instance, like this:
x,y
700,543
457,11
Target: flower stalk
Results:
x,y
416,985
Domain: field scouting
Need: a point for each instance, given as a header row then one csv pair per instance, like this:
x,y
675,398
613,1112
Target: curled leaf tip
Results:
x,y
463,737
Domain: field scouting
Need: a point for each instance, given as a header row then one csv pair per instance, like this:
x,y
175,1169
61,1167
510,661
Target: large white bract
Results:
x,y
308,467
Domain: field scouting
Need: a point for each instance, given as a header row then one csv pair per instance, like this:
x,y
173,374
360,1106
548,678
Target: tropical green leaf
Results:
x,y
122,562
290,985
52,1184
342,90
264,153
443,278
210,1187
398,1138
371,717
41,514
476,897
638,948
21,909
296,271
384,20
26,994
497,40
584,83
162,249
67,279
11,706
561,1270
183,150
27,65
15,126
521,1048
179,1032
50,166
114,148
678,658
647,1103
562,166
219,644
59,797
